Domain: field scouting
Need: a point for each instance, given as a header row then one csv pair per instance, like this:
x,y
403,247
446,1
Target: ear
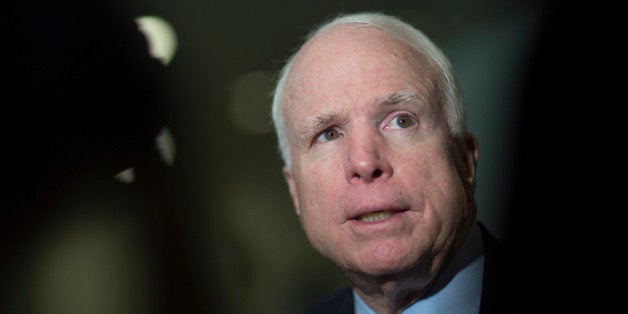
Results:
x,y
469,157
287,174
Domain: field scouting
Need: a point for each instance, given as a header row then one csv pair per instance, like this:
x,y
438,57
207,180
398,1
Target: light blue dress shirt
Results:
x,y
457,290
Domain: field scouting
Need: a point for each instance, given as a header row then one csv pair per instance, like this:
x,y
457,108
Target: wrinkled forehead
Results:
x,y
353,55
352,40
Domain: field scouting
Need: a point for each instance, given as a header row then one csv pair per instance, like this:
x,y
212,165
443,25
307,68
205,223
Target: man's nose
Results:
x,y
366,158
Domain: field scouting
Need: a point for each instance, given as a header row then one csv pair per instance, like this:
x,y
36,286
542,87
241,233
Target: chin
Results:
x,y
389,264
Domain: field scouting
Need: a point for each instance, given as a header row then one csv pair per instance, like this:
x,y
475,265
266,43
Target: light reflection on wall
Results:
x,y
161,37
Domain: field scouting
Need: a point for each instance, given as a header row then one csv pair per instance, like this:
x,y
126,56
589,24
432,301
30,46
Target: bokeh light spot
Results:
x,y
161,37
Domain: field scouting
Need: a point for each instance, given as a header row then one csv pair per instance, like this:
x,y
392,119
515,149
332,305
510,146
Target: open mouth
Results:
x,y
375,216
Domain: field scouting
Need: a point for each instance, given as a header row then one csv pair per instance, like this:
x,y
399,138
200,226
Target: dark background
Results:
x,y
215,232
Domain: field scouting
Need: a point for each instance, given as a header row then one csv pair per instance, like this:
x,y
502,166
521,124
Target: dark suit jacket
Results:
x,y
497,277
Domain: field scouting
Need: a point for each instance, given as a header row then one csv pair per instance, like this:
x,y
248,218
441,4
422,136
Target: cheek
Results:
x,y
318,195
319,184
432,175
424,168
449,203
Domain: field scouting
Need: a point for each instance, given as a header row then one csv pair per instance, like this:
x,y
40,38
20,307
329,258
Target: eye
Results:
x,y
402,121
328,135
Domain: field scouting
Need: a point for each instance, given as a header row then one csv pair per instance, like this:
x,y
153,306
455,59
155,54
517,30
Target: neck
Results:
x,y
390,294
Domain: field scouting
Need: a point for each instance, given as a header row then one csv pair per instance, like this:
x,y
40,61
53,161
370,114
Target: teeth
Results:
x,y
377,216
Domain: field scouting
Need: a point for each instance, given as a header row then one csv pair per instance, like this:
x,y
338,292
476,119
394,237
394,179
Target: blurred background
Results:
x,y
142,174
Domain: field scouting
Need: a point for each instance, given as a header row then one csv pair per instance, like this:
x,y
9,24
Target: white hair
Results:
x,y
447,87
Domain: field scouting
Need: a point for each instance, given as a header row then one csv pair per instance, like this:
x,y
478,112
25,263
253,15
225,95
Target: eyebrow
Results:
x,y
400,96
412,98
315,124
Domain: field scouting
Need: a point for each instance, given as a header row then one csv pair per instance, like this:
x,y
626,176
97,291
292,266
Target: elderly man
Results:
x,y
381,169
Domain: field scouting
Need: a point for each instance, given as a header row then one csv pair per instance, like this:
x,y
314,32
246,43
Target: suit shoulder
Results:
x,y
499,284
337,302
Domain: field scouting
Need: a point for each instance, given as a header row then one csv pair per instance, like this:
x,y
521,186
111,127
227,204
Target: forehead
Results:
x,y
353,63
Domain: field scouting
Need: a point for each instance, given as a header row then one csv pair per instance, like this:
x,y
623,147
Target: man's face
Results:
x,y
374,179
